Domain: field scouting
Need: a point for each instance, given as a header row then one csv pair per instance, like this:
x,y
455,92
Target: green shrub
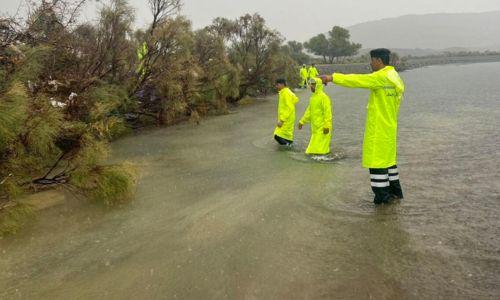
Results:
x,y
14,218
110,185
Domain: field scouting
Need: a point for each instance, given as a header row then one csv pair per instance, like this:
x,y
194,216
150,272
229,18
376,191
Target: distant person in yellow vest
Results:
x,y
380,142
304,74
283,134
320,115
313,72
142,52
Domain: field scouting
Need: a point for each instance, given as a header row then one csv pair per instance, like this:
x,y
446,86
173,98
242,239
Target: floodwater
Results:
x,y
223,213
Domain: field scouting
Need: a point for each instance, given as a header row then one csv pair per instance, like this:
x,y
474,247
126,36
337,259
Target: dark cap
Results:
x,y
281,81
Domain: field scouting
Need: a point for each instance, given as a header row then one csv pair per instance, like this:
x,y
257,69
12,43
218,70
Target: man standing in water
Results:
x,y
303,75
319,114
380,142
312,72
286,114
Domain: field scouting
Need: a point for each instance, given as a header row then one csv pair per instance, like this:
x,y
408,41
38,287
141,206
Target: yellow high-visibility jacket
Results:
x,y
286,113
313,72
141,54
320,114
304,74
387,89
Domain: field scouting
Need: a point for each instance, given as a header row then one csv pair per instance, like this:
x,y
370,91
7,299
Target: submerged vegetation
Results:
x,y
68,88
14,218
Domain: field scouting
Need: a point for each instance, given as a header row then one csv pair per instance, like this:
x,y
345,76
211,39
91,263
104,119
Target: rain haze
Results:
x,y
341,149
300,20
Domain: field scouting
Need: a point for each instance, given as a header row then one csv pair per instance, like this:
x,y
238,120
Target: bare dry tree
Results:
x,y
68,10
162,10
8,33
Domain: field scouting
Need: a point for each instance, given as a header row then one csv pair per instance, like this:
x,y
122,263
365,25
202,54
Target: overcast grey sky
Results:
x,y
301,19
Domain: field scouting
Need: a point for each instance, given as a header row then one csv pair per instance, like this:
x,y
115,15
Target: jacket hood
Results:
x,y
319,85
396,81
293,97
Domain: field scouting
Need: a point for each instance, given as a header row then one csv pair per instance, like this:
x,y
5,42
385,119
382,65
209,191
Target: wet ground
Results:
x,y
222,213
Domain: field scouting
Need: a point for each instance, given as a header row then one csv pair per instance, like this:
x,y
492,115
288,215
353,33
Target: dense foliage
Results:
x,y
68,88
333,45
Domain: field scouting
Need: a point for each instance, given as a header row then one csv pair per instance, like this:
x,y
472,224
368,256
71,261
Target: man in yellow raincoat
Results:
x,y
380,142
312,72
287,100
319,114
304,74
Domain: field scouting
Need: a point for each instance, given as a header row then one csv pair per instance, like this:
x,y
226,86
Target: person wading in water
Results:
x,y
380,142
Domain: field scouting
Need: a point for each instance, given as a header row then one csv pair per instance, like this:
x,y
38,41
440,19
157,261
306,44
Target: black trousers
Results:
x,y
385,184
282,141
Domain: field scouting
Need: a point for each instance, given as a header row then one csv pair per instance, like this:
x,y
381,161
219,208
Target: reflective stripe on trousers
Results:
x,y
385,184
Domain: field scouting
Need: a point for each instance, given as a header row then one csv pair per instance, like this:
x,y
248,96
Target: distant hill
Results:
x,y
474,31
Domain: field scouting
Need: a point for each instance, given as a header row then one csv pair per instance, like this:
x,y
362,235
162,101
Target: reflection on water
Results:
x,y
297,151
222,213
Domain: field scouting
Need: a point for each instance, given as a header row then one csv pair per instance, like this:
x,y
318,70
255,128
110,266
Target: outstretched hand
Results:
x,y
326,79
301,126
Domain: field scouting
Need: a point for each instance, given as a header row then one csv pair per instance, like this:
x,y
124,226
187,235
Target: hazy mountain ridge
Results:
x,y
474,31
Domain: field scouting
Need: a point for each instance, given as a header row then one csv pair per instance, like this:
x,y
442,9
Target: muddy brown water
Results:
x,y
222,213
